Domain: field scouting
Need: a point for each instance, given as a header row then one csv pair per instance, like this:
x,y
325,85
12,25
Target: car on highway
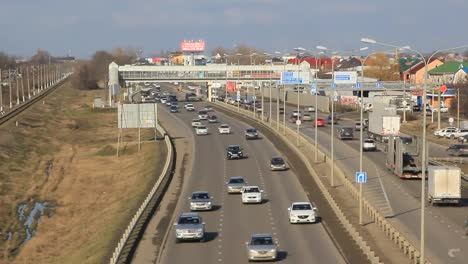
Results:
x,y
309,109
293,119
463,139
281,110
224,129
443,109
234,152
335,119
201,130
296,113
189,226
459,132
174,109
208,108
235,184
358,125
302,212
320,122
251,194
402,108
212,119
201,200
251,133
203,115
444,131
278,163
457,150
369,145
307,117
261,247
163,100
417,108
196,122
189,107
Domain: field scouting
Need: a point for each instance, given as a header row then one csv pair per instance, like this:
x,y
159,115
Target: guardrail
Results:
x,y
19,108
397,237
124,247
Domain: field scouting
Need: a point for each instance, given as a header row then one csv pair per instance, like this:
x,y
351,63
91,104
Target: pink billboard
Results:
x,y
192,46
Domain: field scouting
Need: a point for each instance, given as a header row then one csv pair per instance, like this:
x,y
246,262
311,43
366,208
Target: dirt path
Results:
x,y
63,152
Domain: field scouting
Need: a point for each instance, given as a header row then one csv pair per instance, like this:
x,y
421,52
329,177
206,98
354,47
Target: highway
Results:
x,y
445,240
230,224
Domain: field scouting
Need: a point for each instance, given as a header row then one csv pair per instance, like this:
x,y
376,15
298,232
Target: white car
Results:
x,y
196,123
444,131
189,107
251,194
296,113
302,212
369,145
208,108
457,133
224,129
309,109
201,130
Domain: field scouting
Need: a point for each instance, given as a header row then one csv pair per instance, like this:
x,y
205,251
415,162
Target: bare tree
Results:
x,y
380,67
6,61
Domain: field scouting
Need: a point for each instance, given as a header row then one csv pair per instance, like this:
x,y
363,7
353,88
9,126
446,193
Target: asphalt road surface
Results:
x,y
230,224
445,239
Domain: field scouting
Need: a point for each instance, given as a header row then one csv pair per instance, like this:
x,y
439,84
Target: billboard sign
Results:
x,y
137,116
192,46
345,77
230,86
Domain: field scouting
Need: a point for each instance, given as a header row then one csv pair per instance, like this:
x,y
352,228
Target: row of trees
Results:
x,y
92,74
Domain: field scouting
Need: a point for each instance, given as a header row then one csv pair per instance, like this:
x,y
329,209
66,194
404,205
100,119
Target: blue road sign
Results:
x,y
313,89
238,96
290,78
361,176
358,85
342,77
333,85
378,84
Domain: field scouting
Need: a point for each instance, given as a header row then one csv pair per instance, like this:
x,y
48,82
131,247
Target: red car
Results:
x,y
320,122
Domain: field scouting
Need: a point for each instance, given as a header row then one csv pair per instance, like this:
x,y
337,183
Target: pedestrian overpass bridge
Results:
x,y
221,73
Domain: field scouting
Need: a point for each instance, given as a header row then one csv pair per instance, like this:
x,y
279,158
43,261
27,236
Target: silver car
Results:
x,y
261,247
278,163
189,226
235,184
200,201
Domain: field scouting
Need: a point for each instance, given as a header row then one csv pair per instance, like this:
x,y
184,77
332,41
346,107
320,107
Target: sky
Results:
x,y
81,27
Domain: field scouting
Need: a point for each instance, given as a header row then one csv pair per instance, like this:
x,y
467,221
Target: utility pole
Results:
x,y
9,85
17,88
22,85
1,92
29,87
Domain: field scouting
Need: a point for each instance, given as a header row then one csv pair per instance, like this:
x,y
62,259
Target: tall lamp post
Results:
x,y
298,115
423,151
238,77
225,75
271,72
277,97
316,101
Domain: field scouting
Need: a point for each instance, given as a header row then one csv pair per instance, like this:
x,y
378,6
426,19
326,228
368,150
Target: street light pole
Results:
x,y
423,151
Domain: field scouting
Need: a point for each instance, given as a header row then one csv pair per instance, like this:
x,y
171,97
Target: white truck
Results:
x,y
444,185
383,122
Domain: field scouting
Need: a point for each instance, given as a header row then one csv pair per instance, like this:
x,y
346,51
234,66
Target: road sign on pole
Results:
x,y
313,89
361,176
298,122
333,85
358,85
378,84
238,96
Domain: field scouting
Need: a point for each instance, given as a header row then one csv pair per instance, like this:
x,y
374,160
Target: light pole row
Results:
x,y
35,78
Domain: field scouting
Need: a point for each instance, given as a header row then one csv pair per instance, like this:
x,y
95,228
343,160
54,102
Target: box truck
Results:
x,y
444,185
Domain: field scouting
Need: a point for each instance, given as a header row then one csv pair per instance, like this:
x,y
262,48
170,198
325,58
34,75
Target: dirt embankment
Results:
x,y
63,153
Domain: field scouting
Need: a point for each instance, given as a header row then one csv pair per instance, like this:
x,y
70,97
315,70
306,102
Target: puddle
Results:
x,y
30,215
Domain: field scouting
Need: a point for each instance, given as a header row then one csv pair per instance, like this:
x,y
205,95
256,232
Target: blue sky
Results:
x,y
84,26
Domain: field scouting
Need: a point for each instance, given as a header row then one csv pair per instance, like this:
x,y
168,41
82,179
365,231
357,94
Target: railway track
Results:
x,y
20,108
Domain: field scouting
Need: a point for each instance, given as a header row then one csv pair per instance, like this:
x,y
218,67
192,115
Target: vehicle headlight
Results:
x,y
199,230
272,250
240,152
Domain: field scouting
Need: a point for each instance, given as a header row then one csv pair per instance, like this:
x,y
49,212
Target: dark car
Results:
x,y
174,109
458,150
234,152
281,110
417,108
329,119
463,139
251,133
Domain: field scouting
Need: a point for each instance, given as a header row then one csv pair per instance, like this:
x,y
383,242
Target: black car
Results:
x,y
416,108
463,139
251,133
457,150
234,152
174,109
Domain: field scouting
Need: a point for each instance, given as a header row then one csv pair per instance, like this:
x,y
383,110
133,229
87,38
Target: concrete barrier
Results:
x,y
138,216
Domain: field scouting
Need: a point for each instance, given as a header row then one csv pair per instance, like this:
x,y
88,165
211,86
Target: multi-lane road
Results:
x,y
445,239
231,223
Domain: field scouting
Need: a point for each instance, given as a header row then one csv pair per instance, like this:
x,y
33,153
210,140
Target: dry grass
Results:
x,y
94,191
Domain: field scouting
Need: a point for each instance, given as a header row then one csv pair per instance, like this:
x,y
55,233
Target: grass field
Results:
x,y
63,152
